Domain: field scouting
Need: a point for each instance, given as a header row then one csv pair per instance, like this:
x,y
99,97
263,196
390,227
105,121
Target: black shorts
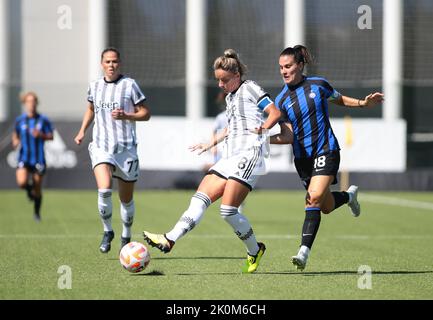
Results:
x,y
322,165
38,168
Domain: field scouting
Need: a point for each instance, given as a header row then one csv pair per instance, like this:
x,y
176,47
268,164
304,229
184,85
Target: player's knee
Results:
x,y
22,184
326,210
312,199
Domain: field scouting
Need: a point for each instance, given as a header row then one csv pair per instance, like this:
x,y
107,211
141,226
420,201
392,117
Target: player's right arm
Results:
x,y
285,136
87,120
15,140
15,136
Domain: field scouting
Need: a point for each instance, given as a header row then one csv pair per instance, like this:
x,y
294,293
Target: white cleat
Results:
x,y
300,260
353,203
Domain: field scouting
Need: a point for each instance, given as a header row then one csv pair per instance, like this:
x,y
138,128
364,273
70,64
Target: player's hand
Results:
x,y
119,114
79,138
36,133
202,147
372,99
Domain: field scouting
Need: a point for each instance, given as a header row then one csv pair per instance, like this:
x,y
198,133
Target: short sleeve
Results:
x,y
90,94
259,96
47,127
137,95
17,126
331,93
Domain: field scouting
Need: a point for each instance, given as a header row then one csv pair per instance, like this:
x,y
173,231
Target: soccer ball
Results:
x,y
134,257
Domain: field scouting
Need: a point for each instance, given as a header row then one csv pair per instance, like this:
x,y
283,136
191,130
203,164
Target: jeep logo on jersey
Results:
x,y
56,154
107,106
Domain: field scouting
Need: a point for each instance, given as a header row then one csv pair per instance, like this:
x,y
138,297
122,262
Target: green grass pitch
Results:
x,y
393,236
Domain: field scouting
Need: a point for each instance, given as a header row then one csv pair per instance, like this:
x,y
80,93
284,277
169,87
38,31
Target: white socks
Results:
x,y
191,217
105,207
241,226
127,211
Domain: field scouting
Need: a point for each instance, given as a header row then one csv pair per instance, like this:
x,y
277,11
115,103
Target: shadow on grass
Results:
x,y
198,258
345,272
154,273
299,273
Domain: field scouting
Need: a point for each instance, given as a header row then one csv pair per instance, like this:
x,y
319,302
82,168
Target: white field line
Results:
x,y
397,202
222,236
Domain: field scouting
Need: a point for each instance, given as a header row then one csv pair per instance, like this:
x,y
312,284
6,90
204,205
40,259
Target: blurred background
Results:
x,y
53,47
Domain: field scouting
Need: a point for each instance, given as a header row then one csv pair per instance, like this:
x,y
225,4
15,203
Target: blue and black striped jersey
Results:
x,y
305,106
32,149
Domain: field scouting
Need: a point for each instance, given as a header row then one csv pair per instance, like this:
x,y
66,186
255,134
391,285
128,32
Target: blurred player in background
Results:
x,y
32,129
304,104
115,102
236,173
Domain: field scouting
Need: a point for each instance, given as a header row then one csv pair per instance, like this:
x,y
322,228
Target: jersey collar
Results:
x,y
234,92
296,86
114,81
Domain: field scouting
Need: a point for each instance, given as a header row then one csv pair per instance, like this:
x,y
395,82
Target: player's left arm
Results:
x,y
369,101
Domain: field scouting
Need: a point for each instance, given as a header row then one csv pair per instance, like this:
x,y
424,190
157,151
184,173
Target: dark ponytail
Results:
x,y
300,53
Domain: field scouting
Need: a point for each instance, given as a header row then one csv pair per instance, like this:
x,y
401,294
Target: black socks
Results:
x,y
340,198
311,226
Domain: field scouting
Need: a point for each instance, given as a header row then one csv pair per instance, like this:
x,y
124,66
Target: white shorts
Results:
x,y
125,164
245,167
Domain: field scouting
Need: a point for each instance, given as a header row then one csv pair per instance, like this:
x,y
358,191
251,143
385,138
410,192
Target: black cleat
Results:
x,y
105,245
124,242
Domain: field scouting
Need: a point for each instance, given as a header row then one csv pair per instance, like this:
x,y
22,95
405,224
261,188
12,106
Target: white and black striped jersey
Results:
x,y
109,134
245,113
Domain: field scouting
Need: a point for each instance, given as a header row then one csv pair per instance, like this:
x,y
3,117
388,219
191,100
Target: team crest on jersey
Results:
x,y
312,95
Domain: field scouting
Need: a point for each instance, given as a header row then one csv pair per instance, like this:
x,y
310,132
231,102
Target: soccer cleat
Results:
x,y
105,245
37,217
300,260
124,241
158,241
353,202
252,262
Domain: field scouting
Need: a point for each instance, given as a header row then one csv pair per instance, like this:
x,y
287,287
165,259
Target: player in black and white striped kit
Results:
x,y
115,103
242,162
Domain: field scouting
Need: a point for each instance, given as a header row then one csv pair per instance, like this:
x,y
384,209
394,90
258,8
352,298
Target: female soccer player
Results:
x,y
304,103
115,102
32,129
236,173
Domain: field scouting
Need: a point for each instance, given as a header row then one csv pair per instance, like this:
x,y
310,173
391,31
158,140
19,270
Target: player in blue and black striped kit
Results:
x,y
31,131
304,104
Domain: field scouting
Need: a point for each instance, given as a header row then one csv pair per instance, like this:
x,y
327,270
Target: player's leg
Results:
x,y
127,209
210,189
37,193
336,199
333,200
318,189
235,193
103,176
22,177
